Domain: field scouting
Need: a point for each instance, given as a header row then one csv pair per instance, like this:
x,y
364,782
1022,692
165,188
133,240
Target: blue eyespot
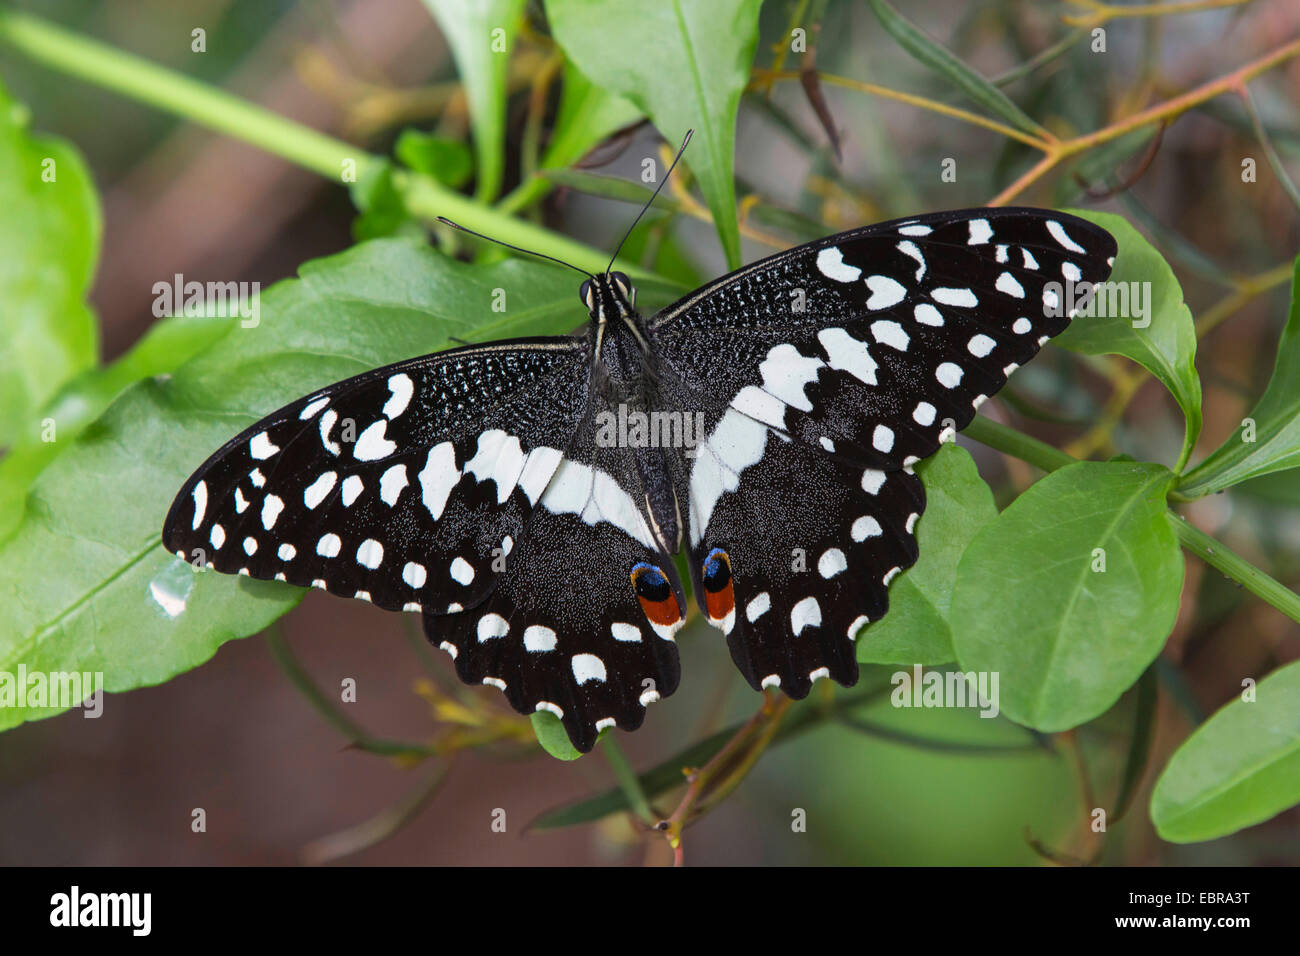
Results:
x,y
648,574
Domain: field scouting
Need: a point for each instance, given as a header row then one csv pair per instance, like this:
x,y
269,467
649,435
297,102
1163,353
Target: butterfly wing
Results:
x,y
582,623
402,486
841,364
468,485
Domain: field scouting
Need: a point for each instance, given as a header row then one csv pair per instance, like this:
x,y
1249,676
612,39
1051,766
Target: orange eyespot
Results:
x,y
719,596
656,597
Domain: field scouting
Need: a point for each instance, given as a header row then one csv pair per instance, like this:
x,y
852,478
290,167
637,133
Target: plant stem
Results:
x,y
1235,567
1017,444
340,721
627,779
175,93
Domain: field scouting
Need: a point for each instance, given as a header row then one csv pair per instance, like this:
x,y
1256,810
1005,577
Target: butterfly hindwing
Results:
x,y
841,364
583,620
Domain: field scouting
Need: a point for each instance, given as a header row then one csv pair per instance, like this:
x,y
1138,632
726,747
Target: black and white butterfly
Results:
x,y
496,490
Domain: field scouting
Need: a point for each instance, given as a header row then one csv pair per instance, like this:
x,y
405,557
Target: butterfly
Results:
x,y
527,497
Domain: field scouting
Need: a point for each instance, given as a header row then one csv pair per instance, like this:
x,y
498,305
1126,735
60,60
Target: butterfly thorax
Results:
x,y
629,412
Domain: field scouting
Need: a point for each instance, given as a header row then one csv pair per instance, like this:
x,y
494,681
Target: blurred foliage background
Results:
x,y
899,787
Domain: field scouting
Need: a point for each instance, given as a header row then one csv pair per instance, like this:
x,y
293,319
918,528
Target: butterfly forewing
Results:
x,y
841,364
402,486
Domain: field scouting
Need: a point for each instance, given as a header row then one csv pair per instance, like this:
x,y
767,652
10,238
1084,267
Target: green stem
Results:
x,y
627,779
175,93
1235,567
323,705
1017,444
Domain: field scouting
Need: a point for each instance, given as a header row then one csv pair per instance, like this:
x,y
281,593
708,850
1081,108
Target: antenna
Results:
x,y
681,149
528,252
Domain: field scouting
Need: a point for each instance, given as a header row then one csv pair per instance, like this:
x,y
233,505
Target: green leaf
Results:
x,y
689,69
1276,419
447,160
49,243
587,114
930,53
1240,767
169,343
1164,343
552,736
958,505
85,584
610,187
382,207
482,57
1033,604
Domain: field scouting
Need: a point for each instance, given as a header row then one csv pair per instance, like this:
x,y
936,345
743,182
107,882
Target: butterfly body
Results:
x,y
528,497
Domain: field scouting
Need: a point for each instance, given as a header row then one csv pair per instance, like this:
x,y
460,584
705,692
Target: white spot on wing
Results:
x,y
272,505
492,626
830,262
909,248
889,333
807,613
414,574
759,606
848,354
326,425
370,554
439,476
1008,285
372,445
980,232
787,372
866,527
260,446
1059,234
964,298
884,292
831,563
462,572
401,389
587,667
498,458
622,631
329,545
352,487
927,314
391,483
315,493
312,408
538,638
200,504
948,374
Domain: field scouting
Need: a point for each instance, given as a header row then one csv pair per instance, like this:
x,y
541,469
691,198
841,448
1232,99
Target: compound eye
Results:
x,y
587,295
623,283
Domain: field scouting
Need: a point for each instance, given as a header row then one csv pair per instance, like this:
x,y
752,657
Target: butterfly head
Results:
x,y
609,295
